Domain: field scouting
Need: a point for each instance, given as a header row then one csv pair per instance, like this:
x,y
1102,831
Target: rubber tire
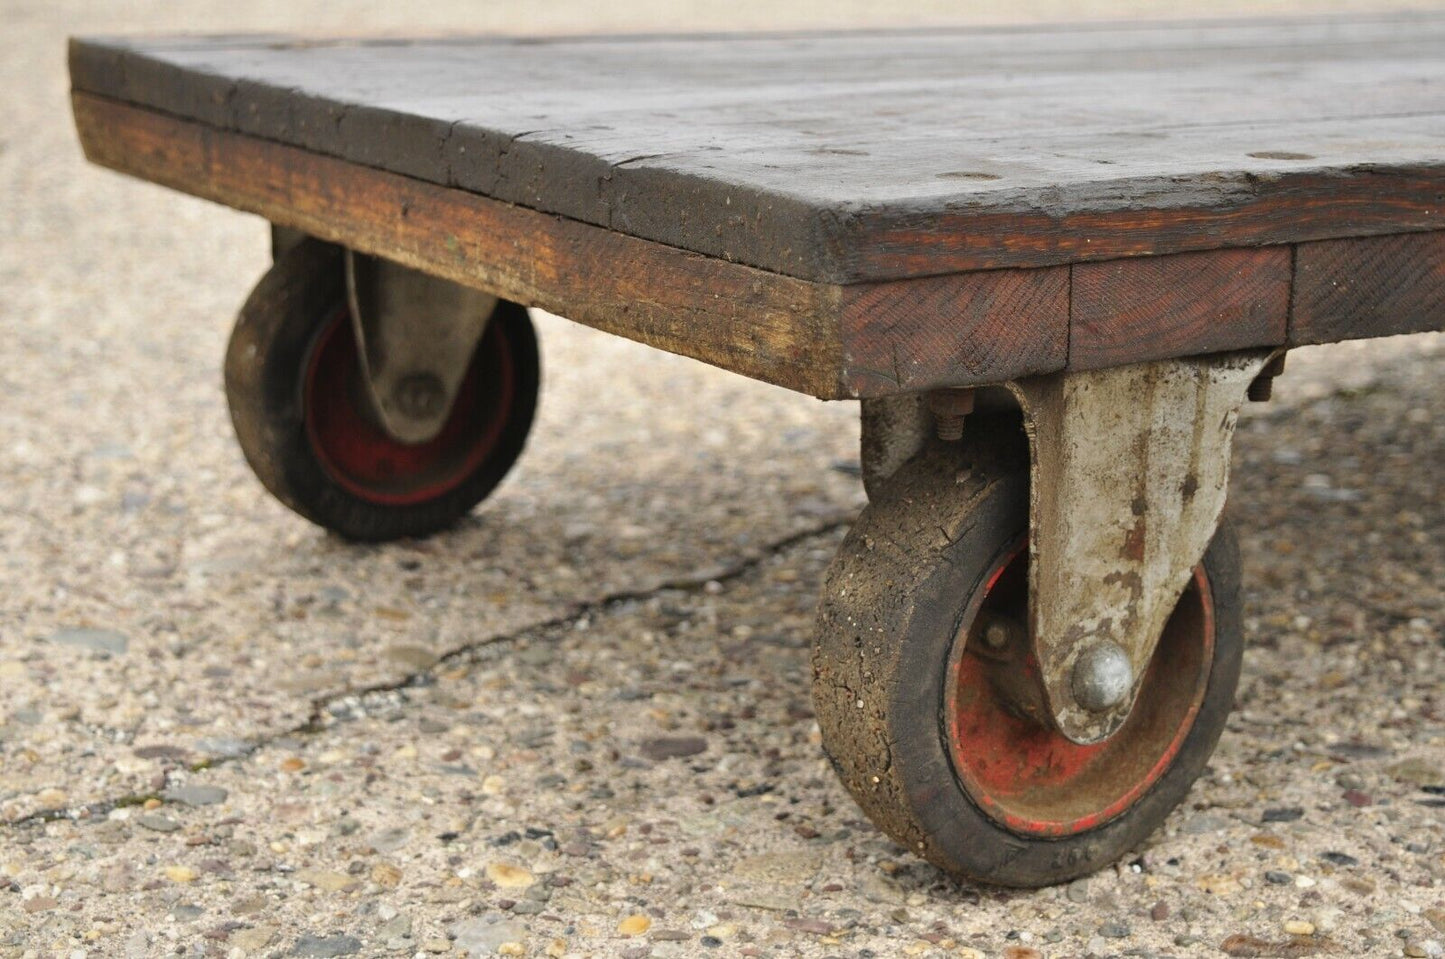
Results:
x,y
265,367
904,579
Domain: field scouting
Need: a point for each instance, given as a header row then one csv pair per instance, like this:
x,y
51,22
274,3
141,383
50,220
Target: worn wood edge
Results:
x,y
1388,285
801,335
771,230
957,330
986,327
1244,211
1075,27
766,326
1180,304
847,244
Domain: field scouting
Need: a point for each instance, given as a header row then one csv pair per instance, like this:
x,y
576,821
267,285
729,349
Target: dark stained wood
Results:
x,y
1124,311
940,331
1230,212
864,157
829,341
763,325
1346,289
847,215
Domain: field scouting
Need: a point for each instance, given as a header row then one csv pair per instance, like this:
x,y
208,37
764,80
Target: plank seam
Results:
x,y
1289,321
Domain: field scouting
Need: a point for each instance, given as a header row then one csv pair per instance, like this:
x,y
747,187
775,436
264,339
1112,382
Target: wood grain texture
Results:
x,y
958,330
763,325
1232,211
828,340
1372,287
1124,311
862,157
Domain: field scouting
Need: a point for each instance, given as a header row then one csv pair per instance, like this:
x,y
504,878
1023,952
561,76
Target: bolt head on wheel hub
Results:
x,y
364,459
1102,677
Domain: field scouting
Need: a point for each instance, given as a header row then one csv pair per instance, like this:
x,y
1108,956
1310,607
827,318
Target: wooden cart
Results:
x,y
1052,263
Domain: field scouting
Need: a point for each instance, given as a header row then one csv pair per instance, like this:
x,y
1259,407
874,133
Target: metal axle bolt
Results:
x,y
950,408
996,634
419,395
1102,677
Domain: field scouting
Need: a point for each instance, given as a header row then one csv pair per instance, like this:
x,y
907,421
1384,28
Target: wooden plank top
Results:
x,y
863,157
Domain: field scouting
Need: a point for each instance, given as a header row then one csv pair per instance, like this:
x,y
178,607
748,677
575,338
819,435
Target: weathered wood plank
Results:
x,y
763,325
965,329
828,340
1125,311
901,336
1228,212
1350,289
851,158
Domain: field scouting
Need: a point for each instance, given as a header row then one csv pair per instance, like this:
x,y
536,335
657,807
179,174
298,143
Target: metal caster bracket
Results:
x,y
417,334
894,430
1129,469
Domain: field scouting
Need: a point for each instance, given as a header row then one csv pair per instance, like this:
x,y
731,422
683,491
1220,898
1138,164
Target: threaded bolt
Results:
x,y
950,408
949,428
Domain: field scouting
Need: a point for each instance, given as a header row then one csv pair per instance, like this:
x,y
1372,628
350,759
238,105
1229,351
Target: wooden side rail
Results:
x,y
828,340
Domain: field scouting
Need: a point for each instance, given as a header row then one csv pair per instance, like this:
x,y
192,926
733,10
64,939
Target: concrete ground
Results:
x,y
225,733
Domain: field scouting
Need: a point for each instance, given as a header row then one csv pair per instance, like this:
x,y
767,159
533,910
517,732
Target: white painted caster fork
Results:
x,y
374,400
1029,643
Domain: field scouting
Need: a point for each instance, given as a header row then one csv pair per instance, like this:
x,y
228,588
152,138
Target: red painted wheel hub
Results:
x,y
1024,773
364,459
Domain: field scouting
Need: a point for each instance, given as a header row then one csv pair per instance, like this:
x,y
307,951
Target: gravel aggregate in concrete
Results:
x,y
579,724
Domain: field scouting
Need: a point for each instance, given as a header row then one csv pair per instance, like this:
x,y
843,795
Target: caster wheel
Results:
x,y
303,418
929,701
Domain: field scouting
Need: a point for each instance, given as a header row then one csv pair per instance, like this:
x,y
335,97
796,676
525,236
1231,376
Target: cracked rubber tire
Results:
x,y
917,717
303,418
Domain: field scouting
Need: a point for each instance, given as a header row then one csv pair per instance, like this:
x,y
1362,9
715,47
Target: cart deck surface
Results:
x,y
851,214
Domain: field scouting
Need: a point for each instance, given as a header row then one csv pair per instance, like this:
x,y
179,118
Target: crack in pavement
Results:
x,y
316,718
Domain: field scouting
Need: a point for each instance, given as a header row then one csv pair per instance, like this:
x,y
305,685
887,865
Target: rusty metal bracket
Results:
x,y
417,335
1129,472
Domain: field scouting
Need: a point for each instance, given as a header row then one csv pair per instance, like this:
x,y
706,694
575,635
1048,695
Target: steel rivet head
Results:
x,y
1102,677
